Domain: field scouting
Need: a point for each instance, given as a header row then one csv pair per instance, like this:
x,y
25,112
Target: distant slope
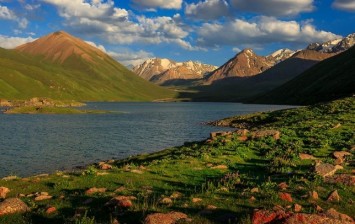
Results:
x,y
64,67
330,79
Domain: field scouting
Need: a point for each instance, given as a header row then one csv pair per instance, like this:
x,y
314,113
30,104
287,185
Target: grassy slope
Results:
x,y
261,163
24,76
330,79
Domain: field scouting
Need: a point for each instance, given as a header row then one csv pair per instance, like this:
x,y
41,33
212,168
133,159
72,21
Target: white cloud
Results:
x,y
260,30
6,13
128,57
208,10
100,47
12,42
347,5
236,50
274,7
30,7
164,4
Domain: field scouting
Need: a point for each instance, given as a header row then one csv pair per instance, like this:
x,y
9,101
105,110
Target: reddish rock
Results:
x,y
254,190
297,208
105,166
121,201
341,154
283,186
242,132
161,218
334,196
12,206
332,213
313,195
95,190
4,191
166,201
267,216
51,210
345,179
196,200
43,197
242,138
304,156
285,196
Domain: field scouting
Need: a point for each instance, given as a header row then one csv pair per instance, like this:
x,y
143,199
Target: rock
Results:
x,y
334,196
121,201
105,166
161,218
332,213
42,194
301,218
252,199
283,186
336,126
3,192
242,138
137,171
326,169
211,207
51,210
43,197
285,196
345,179
196,200
319,209
95,190
214,135
304,156
254,190
12,206
265,133
313,195
297,208
242,132
120,189
269,216
10,178
341,154
5,103
166,201
176,195
220,167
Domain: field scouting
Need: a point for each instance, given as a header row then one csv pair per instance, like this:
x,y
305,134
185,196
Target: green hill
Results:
x,y
60,66
330,79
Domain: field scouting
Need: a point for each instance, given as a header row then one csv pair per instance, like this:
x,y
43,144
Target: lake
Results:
x,y
34,144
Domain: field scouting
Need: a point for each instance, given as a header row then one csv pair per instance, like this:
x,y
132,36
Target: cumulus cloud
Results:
x,y
6,13
12,42
128,57
208,10
260,30
347,5
274,7
117,26
98,46
163,4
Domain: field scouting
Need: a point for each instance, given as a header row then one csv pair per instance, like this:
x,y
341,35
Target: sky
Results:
x,y
209,31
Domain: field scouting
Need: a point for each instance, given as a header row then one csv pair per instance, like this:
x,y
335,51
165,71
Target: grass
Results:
x,y
188,169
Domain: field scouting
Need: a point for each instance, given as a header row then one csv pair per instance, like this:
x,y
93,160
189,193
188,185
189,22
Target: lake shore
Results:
x,y
272,162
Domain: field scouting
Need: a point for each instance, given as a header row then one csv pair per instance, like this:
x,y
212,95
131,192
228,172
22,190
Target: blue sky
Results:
x,y
210,31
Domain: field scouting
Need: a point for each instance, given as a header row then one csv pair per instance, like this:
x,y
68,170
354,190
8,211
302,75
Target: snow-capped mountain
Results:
x,y
281,55
334,46
160,70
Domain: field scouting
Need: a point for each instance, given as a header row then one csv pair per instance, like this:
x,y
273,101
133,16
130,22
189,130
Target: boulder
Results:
x,y
326,169
334,196
285,196
345,179
3,192
166,201
297,208
304,156
269,216
266,133
161,218
341,154
95,190
51,210
332,213
121,202
254,190
196,200
12,206
242,132
283,186
313,195
214,135
43,197
105,166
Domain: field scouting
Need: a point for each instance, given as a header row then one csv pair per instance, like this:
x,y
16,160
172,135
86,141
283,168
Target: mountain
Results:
x,y
281,55
328,80
162,71
61,66
334,46
244,64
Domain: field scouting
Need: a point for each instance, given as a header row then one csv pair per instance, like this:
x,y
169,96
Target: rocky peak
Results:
x,y
281,55
334,46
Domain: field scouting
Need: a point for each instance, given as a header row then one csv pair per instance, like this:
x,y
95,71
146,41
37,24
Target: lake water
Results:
x,y
34,144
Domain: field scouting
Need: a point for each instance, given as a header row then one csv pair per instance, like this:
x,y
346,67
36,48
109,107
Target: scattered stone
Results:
x,y
220,167
209,164
5,103
304,156
105,166
137,171
254,190
10,178
252,199
95,190
196,200
345,179
265,133
337,215
341,154
51,210
283,186
214,135
242,132
42,194
313,195
176,195
242,138
224,189
161,218
166,201
267,216
22,195
120,189
211,207
297,208
334,196
285,196
43,197
319,209
336,126
12,206
326,169
121,201
3,192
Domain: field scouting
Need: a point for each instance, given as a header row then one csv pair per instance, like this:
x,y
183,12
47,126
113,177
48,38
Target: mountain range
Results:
x,y
61,66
